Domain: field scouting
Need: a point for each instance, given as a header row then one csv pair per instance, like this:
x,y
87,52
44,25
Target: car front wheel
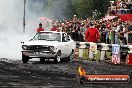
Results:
x,y
70,57
57,58
25,58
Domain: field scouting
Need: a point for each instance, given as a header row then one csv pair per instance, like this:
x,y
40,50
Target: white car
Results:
x,y
49,45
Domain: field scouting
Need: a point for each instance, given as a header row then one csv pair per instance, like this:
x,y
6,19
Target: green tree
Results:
x,y
82,8
101,6
67,8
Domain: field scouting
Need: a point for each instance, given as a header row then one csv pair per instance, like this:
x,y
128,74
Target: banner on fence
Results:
x,y
116,54
129,60
93,48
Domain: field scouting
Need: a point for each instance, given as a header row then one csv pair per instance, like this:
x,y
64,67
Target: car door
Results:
x,y
64,45
70,45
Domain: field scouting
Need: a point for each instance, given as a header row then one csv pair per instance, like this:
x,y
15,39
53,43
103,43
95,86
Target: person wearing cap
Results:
x,y
40,28
92,34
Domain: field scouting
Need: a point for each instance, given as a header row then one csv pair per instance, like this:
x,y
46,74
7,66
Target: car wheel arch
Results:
x,y
56,57
59,51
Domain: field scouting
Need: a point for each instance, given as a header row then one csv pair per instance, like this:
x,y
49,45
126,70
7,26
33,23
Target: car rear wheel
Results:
x,y
25,58
70,57
57,58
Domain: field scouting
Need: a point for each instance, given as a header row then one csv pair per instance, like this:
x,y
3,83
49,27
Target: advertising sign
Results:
x,y
93,48
116,54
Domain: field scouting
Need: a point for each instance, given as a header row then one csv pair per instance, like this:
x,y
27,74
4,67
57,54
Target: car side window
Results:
x,y
68,38
64,38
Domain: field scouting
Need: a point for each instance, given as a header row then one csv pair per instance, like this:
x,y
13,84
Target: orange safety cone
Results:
x,y
129,60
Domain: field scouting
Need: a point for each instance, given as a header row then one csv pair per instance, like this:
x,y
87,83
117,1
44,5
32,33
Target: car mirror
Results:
x,y
22,42
30,39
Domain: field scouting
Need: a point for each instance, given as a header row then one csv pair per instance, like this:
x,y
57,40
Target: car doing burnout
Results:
x,y
49,45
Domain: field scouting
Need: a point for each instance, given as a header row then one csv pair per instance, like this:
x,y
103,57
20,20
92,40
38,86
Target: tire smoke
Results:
x,y
11,23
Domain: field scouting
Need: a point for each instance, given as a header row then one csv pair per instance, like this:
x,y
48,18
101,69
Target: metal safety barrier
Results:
x,y
105,47
117,51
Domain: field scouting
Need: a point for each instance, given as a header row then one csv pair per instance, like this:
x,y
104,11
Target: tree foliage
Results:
x,y
82,8
85,8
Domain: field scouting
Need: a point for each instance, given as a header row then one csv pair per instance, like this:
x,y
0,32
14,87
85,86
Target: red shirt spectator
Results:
x,y
92,35
40,28
54,28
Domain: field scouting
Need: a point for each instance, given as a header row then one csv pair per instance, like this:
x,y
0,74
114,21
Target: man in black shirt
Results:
x,y
129,33
103,33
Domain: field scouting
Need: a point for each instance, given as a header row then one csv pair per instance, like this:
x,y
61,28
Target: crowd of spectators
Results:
x,y
111,32
120,7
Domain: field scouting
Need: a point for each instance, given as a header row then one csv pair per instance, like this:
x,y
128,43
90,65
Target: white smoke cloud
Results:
x,y
11,23
49,8
11,28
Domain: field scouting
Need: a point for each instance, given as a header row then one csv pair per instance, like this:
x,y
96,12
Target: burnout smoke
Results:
x,y
11,23
11,28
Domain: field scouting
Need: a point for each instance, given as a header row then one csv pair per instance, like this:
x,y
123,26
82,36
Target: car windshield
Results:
x,y
48,36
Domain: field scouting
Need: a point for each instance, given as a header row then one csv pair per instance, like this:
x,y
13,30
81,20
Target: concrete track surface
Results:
x,y
15,74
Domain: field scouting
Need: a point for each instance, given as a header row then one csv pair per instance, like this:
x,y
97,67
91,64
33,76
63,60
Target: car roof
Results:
x,y
51,32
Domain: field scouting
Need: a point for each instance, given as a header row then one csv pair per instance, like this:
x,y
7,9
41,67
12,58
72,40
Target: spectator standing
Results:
x,y
92,34
117,33
109,31
82,30
54,28
112,34
107,35
103,33
81,37
40,28
129,33
121,34
125,38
